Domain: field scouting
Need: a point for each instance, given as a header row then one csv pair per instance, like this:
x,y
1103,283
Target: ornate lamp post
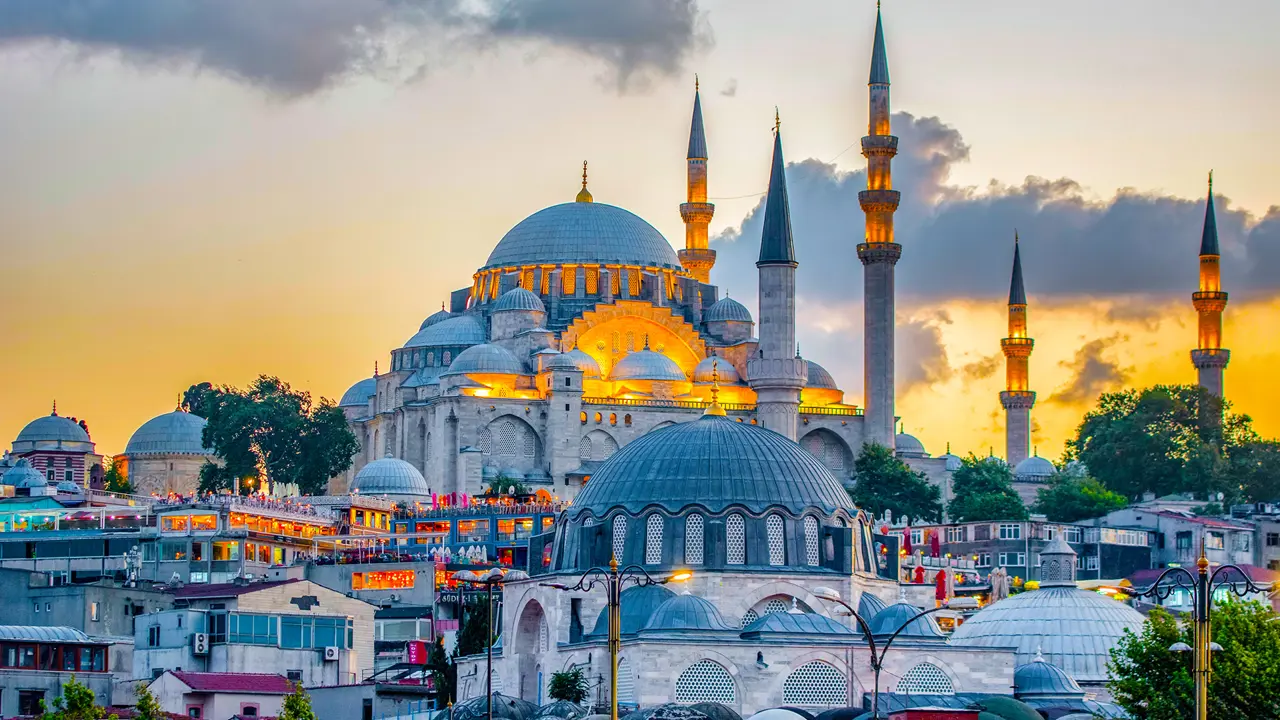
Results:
x,y
877,653
614,580
492,577
1200,585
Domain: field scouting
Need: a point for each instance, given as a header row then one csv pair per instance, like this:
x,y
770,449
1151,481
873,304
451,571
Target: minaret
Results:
x,y
776,373
696,257
878,253
1209,357
1017,397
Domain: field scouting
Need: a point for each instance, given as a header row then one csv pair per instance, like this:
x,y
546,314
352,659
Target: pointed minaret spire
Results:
x,y
1017,398
697,257
1210,358
776,245
1017,293
879,58
1209,238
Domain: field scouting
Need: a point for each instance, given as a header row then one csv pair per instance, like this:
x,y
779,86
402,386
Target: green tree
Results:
x,y
147,707
503,485
475,628
444,674
570,685
1068,498
76,702
883,482
1255,469
116,481
297,705
982,489
1152,683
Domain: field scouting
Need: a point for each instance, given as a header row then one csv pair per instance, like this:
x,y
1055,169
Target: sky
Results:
x,y
200,190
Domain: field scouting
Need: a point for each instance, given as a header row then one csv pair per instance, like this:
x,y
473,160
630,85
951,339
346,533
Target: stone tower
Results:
x,y
879,253
696,212
776,373
1017,397
1209,357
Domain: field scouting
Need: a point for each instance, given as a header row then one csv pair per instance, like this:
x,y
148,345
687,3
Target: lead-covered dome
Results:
x,y
724,371
647,365
438,316
687,613
52,430
1040,679
390,476
819,377
485,360
452,332
726,309
174,433
900,614
712,463
22,475
637,605
1034,469
519,299
358,395
909,446
583,232
575,359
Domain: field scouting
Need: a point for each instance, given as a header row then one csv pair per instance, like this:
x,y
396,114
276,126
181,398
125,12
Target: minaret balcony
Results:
x,y
1017,347
879,200
697,212
1017,399
879,145
872,253
1210,301
1210,358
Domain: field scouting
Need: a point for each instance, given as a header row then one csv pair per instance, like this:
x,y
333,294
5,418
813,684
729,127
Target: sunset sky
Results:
x,y
201,190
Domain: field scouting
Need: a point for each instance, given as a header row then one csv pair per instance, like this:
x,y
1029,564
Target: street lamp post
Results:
x,y
1201,585
494,576
613,581
877,654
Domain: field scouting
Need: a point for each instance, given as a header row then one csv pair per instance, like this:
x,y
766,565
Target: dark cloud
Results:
x,y
1091,373
296,47
730,88
919,353
982,368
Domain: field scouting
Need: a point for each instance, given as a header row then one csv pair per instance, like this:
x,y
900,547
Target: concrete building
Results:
x,y
35,662
1177,536
221,695
103,608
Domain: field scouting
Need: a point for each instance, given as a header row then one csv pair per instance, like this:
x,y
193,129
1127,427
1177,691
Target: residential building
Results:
x,y
35,662
220,695
1177,536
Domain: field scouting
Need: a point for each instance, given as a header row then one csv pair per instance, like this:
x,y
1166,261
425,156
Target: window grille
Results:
x,y
530,445
543,636
507,439
925,679
777,548
653,540
584,449
735,541
619,535
815,683
496,681
775,605
705,681
693,533
626,684
750,617
811,540
813,444
593,281
835,455
486,441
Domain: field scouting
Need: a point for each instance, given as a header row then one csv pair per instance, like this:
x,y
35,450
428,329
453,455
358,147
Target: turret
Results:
x,y
1017,398
697,257
1209,357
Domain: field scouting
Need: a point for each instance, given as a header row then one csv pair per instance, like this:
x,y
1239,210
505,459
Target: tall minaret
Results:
x,y
1017,397
1209,357
696,257
777,374
879,253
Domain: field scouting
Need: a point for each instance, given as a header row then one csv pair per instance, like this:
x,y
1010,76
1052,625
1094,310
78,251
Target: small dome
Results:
x,y
819,377
1034,469
647,365
175,433
390,476
22,475
796,623
726,309
485,359
582,232
519,299
358,395
869,605
436,317
724,368
452,332
887,621
49,429
1042,679
908,446
638,605
953,461
685,613
575,359
69,488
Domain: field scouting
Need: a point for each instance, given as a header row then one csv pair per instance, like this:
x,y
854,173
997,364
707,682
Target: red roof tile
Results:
x,y
225,590
265,683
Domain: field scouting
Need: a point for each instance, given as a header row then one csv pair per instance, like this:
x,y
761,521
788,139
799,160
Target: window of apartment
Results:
x,y
917,537
224,551
383,580
1214,541
294,676
251,629
173,550
1013,559
29,702
1072,534
94,612
473,531
66,475
1184,540
193,712
1241,542
981,532
982,560
1273,539
153,636
199,578
1010,531
1091,562
958,534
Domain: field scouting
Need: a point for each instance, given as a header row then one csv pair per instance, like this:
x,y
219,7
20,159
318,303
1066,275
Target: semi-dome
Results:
x,y
485,359
575,359
795,623
819,377
715,464
583,233
869,604
724,371
638,605
50,429
438,316
1034,468
519,299
390,476
22,475
726,309
358,395
452,332
174,433
908,445
1041,679
887,621
647,365
687,613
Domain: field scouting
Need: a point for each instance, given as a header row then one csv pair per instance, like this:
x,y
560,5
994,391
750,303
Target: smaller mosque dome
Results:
x,y
485,359
796,623
22,475
647,365
575,359
1040,679
887,621
174,433
390,476
519,299
358,395
909,446
436,317
686,613
819,377
69,488
638,605
726,309
454,331
1034,469
869,605
702,372
49,429
953,461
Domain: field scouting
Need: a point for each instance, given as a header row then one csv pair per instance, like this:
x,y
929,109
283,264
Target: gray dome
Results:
x,y
868,605
687,613
575,359
458,330
436,317
908,445
69,488
519,299
887,621
582,232
819,377
22,475
724,368
358,395
1042,679
49,429
953,461
726,309
647,365
716,464
487,359
638,605
1074,628
1034,468
390,476
796,623
175,433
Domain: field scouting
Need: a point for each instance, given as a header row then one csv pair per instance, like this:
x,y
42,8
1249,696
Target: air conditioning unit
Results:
x,y
331,654
200,644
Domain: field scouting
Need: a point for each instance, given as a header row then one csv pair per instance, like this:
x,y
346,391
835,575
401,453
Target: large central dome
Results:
x,y
583,233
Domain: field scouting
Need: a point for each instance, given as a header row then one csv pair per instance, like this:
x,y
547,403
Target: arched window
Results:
x,y
496,681
775,605
619,536
584,448
735,541
925,678
613,418
431,358
599,417
583,417
750,617
693,540
626,684
507,439
815,684
705,681
530,445
653,540
626,419
486,440
777,546
811,540
447,357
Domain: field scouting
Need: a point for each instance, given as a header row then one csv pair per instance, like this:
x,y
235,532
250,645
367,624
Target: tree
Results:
x,y
1068,499
1152,683
503,485
883,482
1255,468
982,489
297,705
444,674
475,628
116,481
147,707
569,685
76,702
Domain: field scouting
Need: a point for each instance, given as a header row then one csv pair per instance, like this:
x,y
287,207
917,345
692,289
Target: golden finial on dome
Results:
x,y
777,120
584,195
714,408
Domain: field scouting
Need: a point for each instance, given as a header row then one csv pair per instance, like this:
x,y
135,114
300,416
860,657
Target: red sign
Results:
x,y
417,652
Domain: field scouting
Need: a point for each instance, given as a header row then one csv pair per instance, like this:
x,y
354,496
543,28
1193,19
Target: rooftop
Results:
x,y
254,683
